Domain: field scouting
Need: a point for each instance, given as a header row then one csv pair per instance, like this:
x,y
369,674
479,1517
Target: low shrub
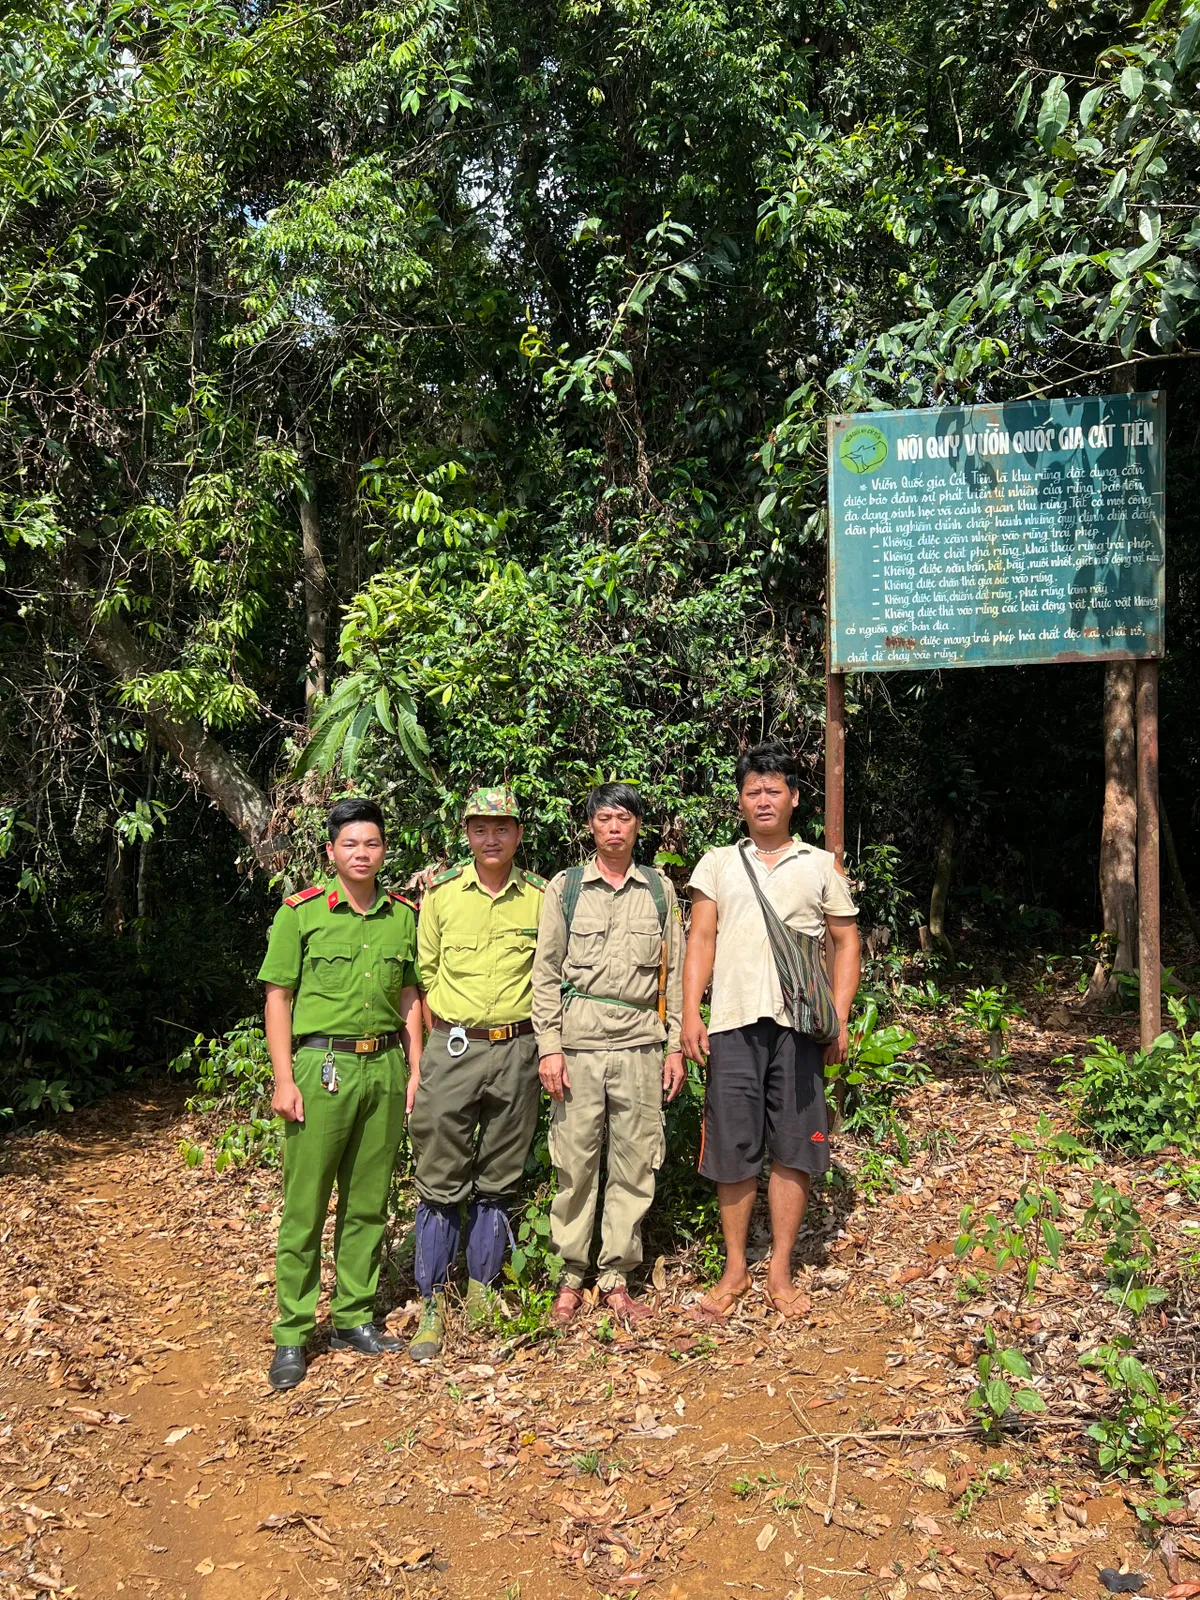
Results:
x,y
875,1078
1142,1102
60,1043
234,1084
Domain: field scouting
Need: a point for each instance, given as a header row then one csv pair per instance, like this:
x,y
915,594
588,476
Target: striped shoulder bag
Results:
x,y
807,995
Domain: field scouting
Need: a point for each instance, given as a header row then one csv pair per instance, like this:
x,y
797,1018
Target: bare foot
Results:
x,y
722,1297
784,1297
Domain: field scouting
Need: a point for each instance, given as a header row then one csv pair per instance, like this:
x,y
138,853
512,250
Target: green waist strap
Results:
x,y
570,992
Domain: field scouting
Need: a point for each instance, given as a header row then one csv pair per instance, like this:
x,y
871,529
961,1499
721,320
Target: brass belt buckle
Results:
x,y
365,1047
496,1034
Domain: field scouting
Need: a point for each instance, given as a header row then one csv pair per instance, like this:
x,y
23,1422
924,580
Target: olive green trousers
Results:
x,y
351,1139
474,1118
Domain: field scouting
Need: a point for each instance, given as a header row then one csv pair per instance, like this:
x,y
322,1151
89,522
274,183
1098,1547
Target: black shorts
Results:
x,y
765,1096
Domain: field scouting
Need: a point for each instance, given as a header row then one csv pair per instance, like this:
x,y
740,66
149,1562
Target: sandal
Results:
x,y
717,1308
622,1304
566,1307
797,1304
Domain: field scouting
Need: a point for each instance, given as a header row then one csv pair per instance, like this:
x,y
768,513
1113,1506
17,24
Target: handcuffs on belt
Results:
x,y
457,1043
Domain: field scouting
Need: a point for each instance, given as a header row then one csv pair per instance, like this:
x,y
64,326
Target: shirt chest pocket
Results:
x,y
588,934
460,953
514,948
645,944
328,963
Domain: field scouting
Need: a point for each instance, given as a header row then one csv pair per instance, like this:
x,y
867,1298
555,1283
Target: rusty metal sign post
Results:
x,y
1020,534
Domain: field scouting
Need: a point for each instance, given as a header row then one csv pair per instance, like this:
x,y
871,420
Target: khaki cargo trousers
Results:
x,y
623,1090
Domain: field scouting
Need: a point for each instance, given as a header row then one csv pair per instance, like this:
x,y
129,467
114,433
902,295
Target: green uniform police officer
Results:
x,y
342,997
475,1113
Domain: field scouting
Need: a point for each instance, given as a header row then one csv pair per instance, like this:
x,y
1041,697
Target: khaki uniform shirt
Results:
x,y
804,886
346,969
475,952
614,950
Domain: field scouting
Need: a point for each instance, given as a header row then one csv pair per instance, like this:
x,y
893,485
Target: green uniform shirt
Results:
x,y
346,969
476,952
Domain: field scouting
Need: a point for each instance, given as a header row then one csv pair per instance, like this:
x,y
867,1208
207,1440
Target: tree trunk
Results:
x,y
1177,883
208,764
316,579
1118,836
942,863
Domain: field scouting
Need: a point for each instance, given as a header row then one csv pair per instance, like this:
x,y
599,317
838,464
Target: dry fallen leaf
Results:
x,y
418,1553
176,1434
766,1536
1043,1575
926,1525
205,1567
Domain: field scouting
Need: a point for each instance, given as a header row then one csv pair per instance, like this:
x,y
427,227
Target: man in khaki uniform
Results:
x,y
475,1111
607,998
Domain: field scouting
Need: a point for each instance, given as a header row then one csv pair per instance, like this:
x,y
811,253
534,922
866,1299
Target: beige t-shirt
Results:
x,y
804,886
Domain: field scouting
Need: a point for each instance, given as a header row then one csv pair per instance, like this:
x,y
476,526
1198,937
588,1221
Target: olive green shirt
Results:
x,y
346,969
614,951
475,951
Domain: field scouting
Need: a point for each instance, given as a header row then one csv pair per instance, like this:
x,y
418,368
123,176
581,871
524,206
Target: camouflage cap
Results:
x,y
497,802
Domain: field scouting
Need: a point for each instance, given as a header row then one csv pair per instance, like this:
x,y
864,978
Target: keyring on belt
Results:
x,y
457,1043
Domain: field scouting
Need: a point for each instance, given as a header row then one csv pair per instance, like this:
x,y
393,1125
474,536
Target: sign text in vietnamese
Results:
x,y
991,535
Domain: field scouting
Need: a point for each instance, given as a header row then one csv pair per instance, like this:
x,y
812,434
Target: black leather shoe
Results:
x,y
367,1340
288,1366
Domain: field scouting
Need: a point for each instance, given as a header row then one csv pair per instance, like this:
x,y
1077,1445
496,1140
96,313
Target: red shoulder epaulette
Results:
x,y
403,900
302,895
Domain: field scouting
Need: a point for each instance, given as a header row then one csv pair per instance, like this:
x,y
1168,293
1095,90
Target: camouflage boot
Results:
x,y
427,1342
482,1304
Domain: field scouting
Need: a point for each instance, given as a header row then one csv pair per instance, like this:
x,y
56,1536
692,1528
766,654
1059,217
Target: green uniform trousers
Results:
x,y
623,1088
474,1118
350,1138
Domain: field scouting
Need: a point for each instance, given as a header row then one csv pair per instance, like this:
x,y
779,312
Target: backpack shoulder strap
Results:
x,y
652,878
572,883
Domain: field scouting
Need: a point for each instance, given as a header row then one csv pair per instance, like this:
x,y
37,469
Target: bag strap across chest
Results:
x,y
807,994
573,883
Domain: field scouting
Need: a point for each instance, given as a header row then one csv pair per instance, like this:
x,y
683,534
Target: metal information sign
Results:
x,y
980,536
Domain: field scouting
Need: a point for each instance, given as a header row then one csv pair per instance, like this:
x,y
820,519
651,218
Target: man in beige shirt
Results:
x,y
765,1093
607,997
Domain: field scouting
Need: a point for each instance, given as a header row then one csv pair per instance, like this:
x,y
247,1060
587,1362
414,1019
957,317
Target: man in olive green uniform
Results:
x,y
475,1114
607,1000
342,995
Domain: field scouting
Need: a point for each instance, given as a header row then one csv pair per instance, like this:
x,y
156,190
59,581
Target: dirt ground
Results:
x,y
141,1452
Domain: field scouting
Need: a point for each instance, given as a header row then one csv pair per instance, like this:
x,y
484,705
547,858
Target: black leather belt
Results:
x,y
506,1030
354,1047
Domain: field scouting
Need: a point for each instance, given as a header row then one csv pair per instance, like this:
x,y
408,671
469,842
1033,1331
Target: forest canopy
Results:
x,y
408,396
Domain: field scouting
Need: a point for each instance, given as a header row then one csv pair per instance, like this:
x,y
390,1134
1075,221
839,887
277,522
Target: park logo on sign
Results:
x,y
863,449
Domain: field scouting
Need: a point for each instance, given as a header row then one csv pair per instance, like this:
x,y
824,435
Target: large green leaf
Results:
x,y
1054,112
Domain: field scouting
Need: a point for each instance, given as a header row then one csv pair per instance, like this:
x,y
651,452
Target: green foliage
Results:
x,y
59,1042
875,1176
1141,1436
534,317
991,1009
234,1085
875,1077
1147,1100
997,1472
531,1260
1029,1238
1129,1254
994,1394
